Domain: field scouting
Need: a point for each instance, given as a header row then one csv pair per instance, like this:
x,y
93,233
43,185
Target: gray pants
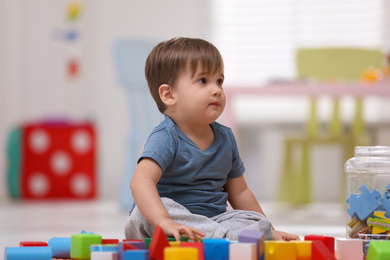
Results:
x,y
226,225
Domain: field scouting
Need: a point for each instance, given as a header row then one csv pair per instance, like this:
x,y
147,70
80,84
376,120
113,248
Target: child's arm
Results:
x,y
143,187
241,197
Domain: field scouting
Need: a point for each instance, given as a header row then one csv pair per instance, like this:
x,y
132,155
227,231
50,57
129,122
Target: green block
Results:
x,y
148,240
80,245
378,250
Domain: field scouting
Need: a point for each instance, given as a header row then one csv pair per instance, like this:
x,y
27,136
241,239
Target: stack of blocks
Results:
x,y
250,246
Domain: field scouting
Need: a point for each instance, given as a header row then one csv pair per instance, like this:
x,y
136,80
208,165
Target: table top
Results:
x,y
381,88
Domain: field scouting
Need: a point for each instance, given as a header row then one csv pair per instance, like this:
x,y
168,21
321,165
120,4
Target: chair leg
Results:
x,y
302,179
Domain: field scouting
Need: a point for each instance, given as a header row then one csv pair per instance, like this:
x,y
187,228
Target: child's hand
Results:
x,y
278,235
174,229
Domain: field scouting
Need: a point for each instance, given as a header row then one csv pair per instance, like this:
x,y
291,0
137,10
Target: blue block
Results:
x,y
216,249
28,253
60,247
104,248
136,255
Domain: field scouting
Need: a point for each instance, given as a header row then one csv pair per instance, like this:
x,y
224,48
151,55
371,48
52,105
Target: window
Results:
x,y
258,38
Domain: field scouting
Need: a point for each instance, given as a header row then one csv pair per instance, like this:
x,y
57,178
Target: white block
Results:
x,y
98,255
349,249
242,251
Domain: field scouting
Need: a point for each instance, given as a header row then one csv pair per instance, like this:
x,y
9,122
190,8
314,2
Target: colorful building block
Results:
x,y
303,249
110,241
320,252
216,249
349,249
57,160
158,243
104,248
328,241
100,255
257,237
60,246
279,250
137,244
30,253
197,245
379,250
80,245
243,251
32,243
180,253
136,255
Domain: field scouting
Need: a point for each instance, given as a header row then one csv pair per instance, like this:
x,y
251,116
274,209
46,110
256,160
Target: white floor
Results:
x,y
40,221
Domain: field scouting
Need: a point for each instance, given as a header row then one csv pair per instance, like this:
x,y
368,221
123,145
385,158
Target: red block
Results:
x,y
157,244
328,241
32,243
58,161
110,241
320,252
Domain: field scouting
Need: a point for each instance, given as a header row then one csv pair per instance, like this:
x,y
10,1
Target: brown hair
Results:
x,y
170,58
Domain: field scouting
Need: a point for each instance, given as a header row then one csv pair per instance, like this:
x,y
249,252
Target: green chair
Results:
x,y
324,65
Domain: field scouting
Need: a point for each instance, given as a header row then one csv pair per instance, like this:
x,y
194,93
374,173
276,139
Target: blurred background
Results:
x,y
57,65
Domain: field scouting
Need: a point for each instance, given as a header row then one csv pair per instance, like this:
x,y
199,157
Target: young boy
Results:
x,y
190,167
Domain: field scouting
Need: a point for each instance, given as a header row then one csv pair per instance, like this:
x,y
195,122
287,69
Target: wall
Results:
x,y
33,82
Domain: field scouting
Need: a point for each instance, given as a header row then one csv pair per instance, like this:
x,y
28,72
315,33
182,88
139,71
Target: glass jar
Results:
x,y
368,193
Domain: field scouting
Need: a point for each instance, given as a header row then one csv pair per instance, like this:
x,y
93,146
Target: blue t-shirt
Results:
x,y
191,177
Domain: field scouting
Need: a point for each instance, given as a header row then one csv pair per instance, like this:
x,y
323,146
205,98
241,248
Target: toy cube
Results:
x,y
251,236
60,247
328,241
103,255
243,251
136,255
80,245
57,160
379,250
319,251
280,250
216,249
349,249
197,245
303,249
180,253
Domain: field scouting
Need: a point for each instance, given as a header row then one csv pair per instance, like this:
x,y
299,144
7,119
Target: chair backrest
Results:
x,y
130,55
336,63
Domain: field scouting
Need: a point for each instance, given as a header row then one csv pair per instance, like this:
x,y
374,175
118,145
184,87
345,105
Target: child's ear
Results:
x,y
166,94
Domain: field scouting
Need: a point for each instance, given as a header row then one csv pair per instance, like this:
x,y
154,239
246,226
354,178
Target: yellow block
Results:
x,y
280,250
174,243
303,249
180,253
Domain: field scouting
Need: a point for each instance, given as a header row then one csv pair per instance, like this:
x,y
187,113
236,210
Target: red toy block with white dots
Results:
x,y
58,161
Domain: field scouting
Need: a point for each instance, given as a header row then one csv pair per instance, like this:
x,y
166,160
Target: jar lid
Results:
x,y
381,151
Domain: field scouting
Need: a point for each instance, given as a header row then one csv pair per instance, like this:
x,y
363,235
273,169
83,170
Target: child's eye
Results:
x,y
220,82
202,81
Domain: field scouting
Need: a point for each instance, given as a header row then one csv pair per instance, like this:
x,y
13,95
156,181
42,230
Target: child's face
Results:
x,y
200,97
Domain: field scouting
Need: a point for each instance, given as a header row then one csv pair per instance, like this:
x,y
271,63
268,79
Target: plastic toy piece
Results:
x,y
80,245
99,255
174,243
30,253
136,255
104,248
257,237
32,243
320,252
216,248
197,245
379,250
243,251
137,244
328,241
386,201
180,253
110,241
60,247
279,250
350,249
158,243
363,204
379,222
303,249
